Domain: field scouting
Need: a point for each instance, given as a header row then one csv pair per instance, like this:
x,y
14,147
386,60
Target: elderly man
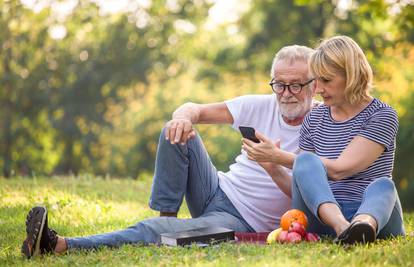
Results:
x,y
244,199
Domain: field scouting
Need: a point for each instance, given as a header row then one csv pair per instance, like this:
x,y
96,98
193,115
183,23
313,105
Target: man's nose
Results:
x,y
286,93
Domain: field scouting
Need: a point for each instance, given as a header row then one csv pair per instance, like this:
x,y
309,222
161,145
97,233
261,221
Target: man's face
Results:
x,y
294,106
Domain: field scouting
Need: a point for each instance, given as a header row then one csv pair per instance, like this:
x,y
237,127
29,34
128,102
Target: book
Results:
x,y
206,235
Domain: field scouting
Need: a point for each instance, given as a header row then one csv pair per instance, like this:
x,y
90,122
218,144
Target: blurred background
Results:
x,y
86,85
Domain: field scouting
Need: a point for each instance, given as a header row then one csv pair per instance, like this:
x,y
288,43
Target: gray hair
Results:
x,y
291,53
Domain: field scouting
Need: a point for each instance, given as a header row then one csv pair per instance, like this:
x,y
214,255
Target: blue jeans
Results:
x,y
310,189
179,170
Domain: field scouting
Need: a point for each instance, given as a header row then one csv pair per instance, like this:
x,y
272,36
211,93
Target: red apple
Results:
x,y
293,237
282,237
312,237
297,228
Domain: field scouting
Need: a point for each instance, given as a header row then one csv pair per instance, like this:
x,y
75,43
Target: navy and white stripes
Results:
x,y
327,138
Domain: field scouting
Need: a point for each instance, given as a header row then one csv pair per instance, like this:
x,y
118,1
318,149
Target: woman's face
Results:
x,y
331,89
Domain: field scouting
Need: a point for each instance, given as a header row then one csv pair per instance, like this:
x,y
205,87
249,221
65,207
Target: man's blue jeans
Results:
x,y
310,189
179,170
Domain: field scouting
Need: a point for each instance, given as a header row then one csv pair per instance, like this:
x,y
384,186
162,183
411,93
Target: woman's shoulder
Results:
x,y
380,108
318,110
316,114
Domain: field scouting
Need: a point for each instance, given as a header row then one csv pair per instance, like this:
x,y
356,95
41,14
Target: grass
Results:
x,y
89,205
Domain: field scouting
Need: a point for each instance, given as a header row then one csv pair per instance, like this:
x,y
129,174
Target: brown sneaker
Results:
x,y
40,238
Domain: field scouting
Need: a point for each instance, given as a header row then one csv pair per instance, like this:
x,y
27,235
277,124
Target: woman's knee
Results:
x,y
304,164
381,185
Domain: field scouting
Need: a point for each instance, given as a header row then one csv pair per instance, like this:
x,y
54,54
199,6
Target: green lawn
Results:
x,y
88,205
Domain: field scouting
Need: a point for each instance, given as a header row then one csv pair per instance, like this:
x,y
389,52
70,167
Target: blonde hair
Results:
x,y
291,54
341,54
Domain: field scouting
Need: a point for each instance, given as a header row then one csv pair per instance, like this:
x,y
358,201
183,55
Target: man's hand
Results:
x,y
179,131
180,128
265,151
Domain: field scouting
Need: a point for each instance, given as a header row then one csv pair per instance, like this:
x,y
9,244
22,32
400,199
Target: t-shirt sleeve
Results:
x,y
245,109
381,127
305,138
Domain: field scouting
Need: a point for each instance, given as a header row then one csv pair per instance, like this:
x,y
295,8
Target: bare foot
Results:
x,y
61,245
340,228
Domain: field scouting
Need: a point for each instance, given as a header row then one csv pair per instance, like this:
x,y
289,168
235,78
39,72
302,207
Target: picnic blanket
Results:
x,y
252,238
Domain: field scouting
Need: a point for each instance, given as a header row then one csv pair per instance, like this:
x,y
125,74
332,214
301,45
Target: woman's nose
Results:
x,y
318,87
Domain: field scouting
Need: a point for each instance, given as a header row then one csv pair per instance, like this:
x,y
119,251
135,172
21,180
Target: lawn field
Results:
x,y
87,205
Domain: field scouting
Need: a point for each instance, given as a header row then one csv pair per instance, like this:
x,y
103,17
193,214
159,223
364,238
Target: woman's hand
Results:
x,y
265,151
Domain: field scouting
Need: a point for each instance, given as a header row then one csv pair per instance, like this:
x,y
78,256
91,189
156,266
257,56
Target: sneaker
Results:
x,y
40,238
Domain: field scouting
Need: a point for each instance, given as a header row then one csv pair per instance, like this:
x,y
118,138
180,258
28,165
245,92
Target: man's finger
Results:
x,y
167,131
192,134
172,132
248,142
247,149
250,158
185,138
178,133
261,137
186,132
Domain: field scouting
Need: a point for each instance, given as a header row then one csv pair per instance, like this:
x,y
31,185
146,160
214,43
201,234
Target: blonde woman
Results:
x,y
343,180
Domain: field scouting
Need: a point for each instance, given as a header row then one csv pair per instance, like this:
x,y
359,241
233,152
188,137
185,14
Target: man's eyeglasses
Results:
x,y
294,88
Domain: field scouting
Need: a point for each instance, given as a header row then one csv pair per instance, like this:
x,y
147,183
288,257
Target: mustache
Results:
x,y
288,100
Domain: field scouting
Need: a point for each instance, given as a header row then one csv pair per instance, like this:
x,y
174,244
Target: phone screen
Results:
x,y
249,133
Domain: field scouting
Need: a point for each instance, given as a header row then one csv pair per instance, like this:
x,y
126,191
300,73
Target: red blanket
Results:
x,y
255,238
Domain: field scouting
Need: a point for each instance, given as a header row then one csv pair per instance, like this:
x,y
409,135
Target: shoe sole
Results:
x,y
360,233
35,223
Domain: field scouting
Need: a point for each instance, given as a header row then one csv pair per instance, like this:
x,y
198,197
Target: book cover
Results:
x,y
206,235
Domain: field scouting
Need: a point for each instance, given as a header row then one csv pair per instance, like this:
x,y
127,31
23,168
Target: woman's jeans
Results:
x,y
310,189
179,170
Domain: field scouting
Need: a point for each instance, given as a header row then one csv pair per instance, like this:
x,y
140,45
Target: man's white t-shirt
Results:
x,y
251,190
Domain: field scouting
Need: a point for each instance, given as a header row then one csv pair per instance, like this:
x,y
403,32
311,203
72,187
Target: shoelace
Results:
x,y
51,241
52,234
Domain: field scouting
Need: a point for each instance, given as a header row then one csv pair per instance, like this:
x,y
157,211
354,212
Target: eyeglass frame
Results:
x,y
288,86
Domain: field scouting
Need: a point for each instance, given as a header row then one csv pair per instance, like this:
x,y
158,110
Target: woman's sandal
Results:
x,y
357,232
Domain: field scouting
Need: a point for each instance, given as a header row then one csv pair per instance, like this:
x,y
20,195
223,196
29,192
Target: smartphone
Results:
x,y
249,133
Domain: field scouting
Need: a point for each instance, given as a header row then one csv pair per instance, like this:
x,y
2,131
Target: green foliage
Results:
x,y
94,99
87,205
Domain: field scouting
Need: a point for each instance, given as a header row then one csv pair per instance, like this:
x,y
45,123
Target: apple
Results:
x,y
312,237
293,237
297,228
282,237
272,236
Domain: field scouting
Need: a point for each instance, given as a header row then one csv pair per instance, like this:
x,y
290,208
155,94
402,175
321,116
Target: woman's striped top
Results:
x,y
327,138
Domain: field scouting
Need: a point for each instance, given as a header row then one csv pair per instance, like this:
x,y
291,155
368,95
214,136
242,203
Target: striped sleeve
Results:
x,y
381,127
305,139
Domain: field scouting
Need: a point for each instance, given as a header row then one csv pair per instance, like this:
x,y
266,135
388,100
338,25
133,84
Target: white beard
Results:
x,y
293,111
